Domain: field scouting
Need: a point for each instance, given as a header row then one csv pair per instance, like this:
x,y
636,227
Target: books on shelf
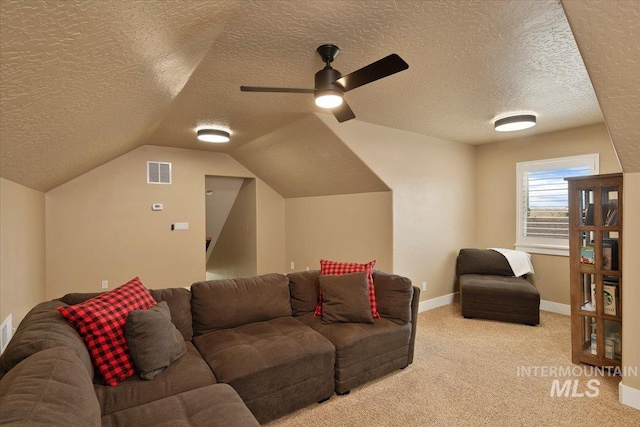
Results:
x,y
607,256
588,257
610,299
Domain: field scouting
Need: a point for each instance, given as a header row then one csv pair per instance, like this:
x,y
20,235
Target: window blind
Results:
x,y
546,201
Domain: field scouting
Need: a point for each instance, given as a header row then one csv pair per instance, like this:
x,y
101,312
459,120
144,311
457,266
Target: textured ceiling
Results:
x,y
83,82
612,58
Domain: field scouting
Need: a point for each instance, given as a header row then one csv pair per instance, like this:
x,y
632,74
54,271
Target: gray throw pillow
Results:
x,y
154,342
345,298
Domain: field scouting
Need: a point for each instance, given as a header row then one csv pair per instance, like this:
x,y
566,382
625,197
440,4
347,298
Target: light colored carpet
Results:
x,y
465,373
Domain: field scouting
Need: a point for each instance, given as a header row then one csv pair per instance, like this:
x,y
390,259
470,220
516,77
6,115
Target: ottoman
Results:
x,y
509,299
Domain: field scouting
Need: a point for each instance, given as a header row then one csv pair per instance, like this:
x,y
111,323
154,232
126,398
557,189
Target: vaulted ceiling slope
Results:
x,y
84,82
307,159
608,34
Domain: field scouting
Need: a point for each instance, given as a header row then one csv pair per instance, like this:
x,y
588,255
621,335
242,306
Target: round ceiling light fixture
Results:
x,y
216,136
514,123
328,98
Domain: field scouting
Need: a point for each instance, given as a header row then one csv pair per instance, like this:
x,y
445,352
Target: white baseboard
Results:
x,y
430,304
545,305
555,307
629,396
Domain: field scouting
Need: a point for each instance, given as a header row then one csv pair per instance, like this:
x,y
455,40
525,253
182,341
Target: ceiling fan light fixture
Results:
x,y
328,98
216,136
514,123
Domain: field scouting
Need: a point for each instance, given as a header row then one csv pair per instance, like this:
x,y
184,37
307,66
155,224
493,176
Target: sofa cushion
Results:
x,y
335,267
304,290
345,298
482,261
187,373
154,342
179,302
100,321
393,295
178,299
364,351
276,366
42,328
222,304
51,387
217,405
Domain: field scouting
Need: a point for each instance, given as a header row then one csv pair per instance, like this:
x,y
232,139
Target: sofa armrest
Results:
x,y
398,300
415,304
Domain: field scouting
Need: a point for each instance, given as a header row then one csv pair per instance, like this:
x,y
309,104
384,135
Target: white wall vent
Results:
x,y
5,333
158,173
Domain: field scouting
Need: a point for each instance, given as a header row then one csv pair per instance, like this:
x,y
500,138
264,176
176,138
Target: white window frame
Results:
x,y
546,245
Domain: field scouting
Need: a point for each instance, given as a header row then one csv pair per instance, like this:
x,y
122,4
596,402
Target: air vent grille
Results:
x,y
158,173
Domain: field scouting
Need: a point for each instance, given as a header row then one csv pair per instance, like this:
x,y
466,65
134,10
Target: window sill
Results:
x,y
544,249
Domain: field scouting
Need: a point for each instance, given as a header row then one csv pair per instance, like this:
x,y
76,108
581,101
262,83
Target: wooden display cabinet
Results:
x,y
595,256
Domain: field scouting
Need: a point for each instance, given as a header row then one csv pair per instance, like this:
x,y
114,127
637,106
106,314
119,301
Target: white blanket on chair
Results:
x,y
519,261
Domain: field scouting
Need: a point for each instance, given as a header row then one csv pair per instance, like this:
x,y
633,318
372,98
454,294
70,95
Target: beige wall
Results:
x,y
101,226
631,278
22,250
432,181
348,228
496,194
270,229
235,252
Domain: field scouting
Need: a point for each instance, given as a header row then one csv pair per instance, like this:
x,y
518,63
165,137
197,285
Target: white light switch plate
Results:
x,y
180,226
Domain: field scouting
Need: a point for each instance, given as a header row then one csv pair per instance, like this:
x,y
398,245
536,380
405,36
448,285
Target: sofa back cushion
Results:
x,y
42,328
178,299
303,288
482,261
394,295
50,387
223,304
179,302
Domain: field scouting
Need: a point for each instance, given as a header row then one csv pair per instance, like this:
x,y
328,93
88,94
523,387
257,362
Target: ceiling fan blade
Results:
x,y
343,112
375,71
274,89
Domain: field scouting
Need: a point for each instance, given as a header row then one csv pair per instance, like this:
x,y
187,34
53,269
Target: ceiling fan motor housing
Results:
x,y
325,80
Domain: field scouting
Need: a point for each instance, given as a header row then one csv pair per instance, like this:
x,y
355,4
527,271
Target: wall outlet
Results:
x,y
424,286
293,266
105,284
307,268
180,226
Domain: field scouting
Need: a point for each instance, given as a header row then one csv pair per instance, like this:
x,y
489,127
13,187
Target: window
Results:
x,y
543,202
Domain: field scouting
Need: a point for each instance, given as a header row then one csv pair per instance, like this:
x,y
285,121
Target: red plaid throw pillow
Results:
x,y
334,267
100,321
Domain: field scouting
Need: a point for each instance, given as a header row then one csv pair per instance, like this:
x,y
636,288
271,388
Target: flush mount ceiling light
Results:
x,y
217,136
513,123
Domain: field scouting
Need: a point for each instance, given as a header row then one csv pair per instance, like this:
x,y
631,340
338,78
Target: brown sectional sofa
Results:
x,y
254,352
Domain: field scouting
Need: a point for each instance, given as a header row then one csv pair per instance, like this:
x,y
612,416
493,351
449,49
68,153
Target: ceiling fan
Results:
x,y
330,84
